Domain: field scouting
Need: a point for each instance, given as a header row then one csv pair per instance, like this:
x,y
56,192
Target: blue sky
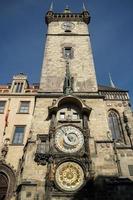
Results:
x,y
22,38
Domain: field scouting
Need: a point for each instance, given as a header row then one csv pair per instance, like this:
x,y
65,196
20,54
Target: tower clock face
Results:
x,y
69,139
68,26
69,176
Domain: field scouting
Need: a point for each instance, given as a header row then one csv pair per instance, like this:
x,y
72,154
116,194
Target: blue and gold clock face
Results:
x,y
69,139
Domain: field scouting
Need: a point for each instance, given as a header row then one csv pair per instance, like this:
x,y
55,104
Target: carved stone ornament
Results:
x,y
4,151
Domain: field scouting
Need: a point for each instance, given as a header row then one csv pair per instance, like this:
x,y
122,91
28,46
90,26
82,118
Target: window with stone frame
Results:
x,y
130,168
115,125
18,134
69,113
17,87
68,52
2,106
24,107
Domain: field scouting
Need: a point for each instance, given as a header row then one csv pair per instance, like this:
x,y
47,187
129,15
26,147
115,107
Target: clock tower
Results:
x,y
68,39
67,75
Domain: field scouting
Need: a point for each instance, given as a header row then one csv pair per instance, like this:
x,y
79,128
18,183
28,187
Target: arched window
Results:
x,y
114,125
3,185
7,182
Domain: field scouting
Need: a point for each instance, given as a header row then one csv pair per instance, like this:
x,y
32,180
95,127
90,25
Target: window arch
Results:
x,y
115,125
7,181
3,185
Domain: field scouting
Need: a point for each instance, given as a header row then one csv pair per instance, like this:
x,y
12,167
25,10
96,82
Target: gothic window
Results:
x,y
3,185
130,168
2,106
18,135
68,52
7,181
114,125
24,107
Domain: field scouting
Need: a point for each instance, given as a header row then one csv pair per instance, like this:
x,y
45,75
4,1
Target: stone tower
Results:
x,y
68,39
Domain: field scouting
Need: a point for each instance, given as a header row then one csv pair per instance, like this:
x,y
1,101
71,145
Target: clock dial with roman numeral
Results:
x,y
69,139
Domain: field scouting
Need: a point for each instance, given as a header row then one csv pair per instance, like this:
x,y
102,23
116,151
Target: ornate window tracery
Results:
x,y
7,181
115,125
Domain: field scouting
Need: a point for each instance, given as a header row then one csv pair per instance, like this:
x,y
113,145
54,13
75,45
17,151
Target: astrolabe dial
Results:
x,y
69,139
69,176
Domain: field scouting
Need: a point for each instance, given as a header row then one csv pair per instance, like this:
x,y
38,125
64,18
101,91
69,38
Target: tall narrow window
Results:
x,y
68,53
18,135
18,86
24,107
75,116
114,125
2,106
62,115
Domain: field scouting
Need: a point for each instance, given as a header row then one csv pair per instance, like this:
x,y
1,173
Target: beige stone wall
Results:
x,y
54,64
15,152
40,123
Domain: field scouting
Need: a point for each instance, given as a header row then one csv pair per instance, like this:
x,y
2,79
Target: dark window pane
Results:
x,y
17,87
24,107
18,135
68,52
114,125
2,106
130,167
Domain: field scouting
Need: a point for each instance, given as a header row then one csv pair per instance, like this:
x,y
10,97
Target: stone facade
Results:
x,y
69,149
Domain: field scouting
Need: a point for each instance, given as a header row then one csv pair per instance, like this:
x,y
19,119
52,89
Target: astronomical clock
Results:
x,y
66,151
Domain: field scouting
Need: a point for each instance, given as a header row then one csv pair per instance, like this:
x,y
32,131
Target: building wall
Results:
x,y
15,152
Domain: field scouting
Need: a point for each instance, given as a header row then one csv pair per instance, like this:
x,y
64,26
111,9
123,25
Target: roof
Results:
x,y
110,89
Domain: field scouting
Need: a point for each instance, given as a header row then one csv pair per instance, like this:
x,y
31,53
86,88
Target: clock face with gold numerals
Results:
x,y
69,139
69,176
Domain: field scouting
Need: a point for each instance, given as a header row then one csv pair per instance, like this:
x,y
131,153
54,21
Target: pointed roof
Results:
x,y
111,81
84,8
51,6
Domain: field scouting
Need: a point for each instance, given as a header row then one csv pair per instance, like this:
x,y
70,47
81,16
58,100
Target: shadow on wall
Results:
x,y
106,188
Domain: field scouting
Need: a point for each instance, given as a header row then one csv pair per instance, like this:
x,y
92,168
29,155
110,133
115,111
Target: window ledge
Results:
x,y
23,113
72,121
16,144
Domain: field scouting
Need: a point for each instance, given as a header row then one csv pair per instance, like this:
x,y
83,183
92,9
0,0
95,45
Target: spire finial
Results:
x,y
67,10
111,82
51,6
84,8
